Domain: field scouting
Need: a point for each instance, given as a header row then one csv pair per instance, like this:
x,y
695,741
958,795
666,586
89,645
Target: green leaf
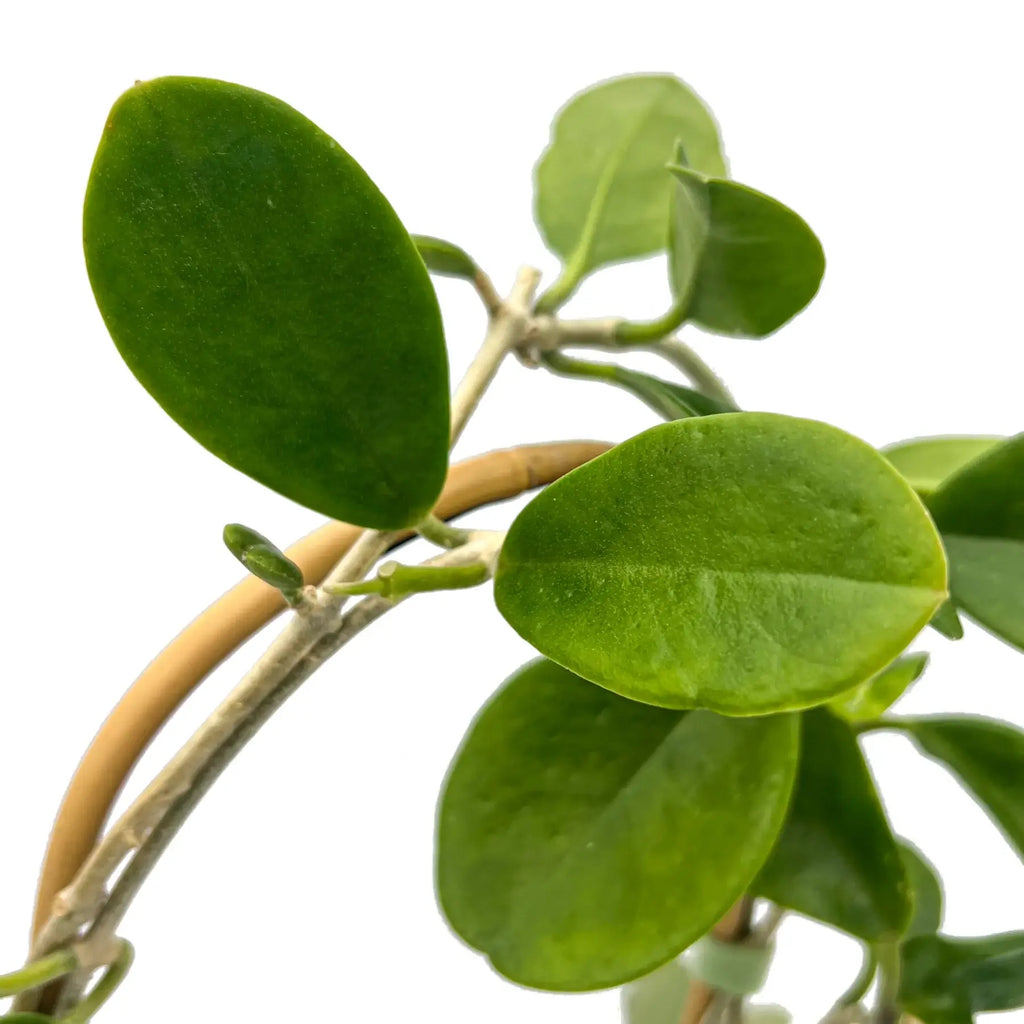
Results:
x,y
584,839
740,262
987,756
869,699
445,258
658,997
745,563
27,1018
671,401
836,859
262,558
266,295
947,622
947,980
926,889
601,191
927,461
980,512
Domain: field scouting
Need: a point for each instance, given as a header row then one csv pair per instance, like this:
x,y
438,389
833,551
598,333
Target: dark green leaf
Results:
x,y
836,859
740,262
980,512
927,461
926,889
987,756
266,295
27,1018
947,622
671,401
602,194
262,558
584,839
443,257
745,563
947,980
658,997
869,699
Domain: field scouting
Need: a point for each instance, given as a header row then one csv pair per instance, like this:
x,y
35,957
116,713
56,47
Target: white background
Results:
x,y
303,885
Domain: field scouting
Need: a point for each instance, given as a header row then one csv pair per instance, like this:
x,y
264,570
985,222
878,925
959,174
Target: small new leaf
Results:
x,y
444,258
987,756
836,859
740,262
263,559
668,569
948,980
584,839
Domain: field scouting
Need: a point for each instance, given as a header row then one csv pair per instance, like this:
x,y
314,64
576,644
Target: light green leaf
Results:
x,y
658,997
927,461
444,258
869,699
601,191
740,262
947,980
926,889
584,839
266,295
987,756
745,563
836,859
980,512
669,400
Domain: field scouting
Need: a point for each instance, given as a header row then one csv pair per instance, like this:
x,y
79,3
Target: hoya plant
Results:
x,y
721,606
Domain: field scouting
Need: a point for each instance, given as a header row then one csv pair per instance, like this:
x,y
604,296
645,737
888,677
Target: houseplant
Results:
x,y
725,600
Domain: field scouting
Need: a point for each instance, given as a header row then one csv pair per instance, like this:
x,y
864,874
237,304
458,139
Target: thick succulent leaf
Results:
x,y
266,295
601,191
836,859
584,839
980,511
926,890
987,756
948,980
927,461
444,258
658,997
871,698
745,563
740,262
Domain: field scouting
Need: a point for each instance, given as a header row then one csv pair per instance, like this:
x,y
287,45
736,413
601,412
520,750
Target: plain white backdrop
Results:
x,y
302,887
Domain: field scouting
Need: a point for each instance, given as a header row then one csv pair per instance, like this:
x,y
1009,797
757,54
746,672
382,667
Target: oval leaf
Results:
x,y
744,563
871,698
836,859
926,889
926,462
980,511
946,980
740,262
987,756
584,839
266,295
445,258
262,558
602,194
658,997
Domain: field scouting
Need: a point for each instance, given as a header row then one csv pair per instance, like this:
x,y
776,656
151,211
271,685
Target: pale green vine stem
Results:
x,y
104,988
887,1010
38,972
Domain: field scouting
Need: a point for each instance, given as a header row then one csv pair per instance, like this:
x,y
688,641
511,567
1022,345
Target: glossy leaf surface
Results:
x,y
869,699
744,563
262,558
836,859
658,997
927,461
266,295
602,193
947,980
987,756
980,511
926,890
584,839
740,262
